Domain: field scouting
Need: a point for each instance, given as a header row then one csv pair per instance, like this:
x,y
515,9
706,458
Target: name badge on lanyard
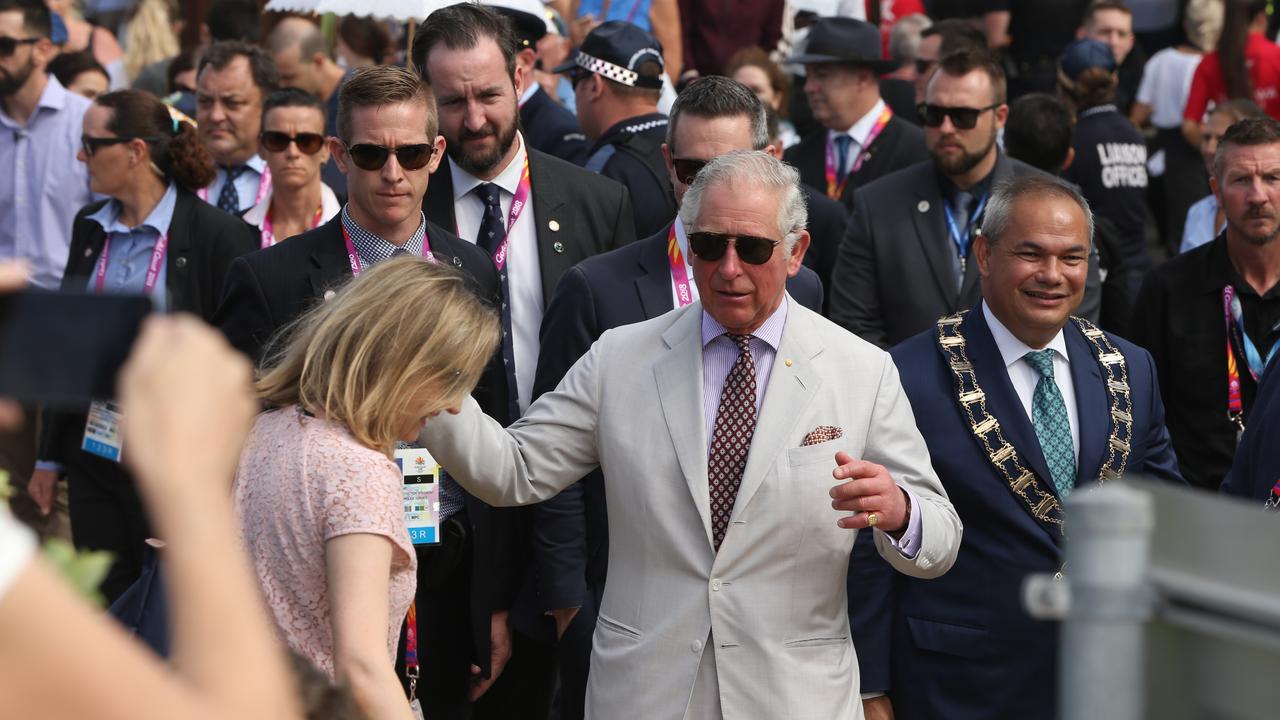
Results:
x,y
420,475
960,236
102,433
1233,317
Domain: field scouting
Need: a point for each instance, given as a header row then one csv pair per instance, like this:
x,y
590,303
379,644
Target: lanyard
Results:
x,y
264,186
1233,316
411,650
517,207
268,234
354,259
679,270
957,237
153,267
834,190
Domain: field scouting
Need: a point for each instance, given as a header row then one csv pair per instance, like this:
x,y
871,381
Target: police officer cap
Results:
x,y
615,49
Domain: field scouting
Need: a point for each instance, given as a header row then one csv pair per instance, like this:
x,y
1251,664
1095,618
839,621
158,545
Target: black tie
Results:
x,y
492,233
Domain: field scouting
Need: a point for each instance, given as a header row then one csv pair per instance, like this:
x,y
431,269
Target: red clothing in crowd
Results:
x,y
1261,56
715,29
891,11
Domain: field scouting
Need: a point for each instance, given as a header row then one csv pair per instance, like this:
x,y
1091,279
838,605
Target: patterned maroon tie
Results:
x,y
731,439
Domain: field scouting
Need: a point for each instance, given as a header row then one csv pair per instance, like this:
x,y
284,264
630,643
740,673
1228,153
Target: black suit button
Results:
x,y
181,262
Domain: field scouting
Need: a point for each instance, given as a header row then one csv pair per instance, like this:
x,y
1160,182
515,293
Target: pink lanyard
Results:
x,y
264,186
834,190
679,270
354,259
411,649
517,206
268,234
153,267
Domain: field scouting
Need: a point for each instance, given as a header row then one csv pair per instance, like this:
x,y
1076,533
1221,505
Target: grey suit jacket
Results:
x,y
895,273
772,604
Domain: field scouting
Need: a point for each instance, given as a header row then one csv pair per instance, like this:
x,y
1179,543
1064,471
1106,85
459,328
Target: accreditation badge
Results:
x,y
102,433
420,475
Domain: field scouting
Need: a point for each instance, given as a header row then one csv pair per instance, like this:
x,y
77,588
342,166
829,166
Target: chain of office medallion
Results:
x,y
1024,483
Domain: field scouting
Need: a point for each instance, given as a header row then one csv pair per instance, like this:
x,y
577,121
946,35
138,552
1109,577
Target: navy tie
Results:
x,y
492,232
842,157
229,197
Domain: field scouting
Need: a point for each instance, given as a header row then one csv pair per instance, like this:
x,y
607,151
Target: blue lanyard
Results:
x,y
1251,354
962,247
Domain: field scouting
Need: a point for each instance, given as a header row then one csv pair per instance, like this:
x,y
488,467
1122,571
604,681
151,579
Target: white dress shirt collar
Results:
x,y
861,129
1011,348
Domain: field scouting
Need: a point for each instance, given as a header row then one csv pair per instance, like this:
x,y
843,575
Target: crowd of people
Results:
x,y
673,358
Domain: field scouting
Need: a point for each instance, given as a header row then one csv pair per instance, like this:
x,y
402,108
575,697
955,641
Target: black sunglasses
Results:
x,y
91,145
373,157
964,118
9,46
687,169
276,141
924,66
711,246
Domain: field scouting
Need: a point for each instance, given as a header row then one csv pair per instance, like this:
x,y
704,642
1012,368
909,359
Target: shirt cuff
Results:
x,y
871,695
49,465
909,544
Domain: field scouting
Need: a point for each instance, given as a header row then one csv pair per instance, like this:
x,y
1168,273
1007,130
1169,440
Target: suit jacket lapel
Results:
x,y
178,263
791,389
549,210
653,285
931,232
679,378
1091,403
438,202
329,262
1002,399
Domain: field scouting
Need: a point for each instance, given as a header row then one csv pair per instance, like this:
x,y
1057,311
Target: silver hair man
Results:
x,y
759,169
1000,207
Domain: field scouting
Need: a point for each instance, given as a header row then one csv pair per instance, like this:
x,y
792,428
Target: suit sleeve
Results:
x,y
1091,306
559,525
855,292
624,225
1160,462
871,603
244,315
234,239
894,441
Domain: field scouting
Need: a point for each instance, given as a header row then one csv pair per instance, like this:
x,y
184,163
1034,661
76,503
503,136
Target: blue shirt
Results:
x,y
131,248
42,185
246,183
635,12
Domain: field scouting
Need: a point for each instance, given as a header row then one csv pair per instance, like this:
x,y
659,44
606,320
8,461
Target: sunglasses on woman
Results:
x,y
373,157
91,145
711,246
276,141
964,118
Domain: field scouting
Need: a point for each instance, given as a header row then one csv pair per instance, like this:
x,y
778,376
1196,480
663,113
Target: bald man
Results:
x,y
303,61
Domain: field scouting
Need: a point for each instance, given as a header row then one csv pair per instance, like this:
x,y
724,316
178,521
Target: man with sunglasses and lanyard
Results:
x,y
735,435
294,146
387,145
641,281
860,138
905,257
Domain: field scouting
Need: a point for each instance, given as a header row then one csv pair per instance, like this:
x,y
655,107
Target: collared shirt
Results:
x,y
682,240
524,269
719,353
1024,377
130,254
859,132
247,183
529,92
257,215
42,186
373,249
1199,228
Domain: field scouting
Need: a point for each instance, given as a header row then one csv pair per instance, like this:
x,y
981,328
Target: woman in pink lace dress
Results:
x,y
319,498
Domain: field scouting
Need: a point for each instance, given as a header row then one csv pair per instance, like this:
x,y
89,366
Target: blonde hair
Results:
x,y
361,357
149,36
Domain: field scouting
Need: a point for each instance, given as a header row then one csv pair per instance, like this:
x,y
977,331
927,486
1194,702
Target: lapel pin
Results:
x,y
328,295
457,261
787,362
558,246
923,206
554,225
181,262
88,252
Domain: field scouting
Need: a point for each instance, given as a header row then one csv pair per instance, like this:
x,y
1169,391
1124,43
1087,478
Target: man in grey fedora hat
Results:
x,y
860,139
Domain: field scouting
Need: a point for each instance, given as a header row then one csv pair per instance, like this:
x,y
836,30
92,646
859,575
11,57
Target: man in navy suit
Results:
x,y
714,115
1020,405
1255,472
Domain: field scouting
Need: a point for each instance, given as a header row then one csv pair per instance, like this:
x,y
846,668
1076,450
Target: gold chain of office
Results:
x,y
1024,483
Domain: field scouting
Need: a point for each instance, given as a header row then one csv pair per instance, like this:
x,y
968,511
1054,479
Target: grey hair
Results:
x,y
999,210
716,96
760,170
904,38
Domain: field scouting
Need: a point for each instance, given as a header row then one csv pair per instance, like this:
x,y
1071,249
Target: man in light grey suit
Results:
x,y
727,430
904,260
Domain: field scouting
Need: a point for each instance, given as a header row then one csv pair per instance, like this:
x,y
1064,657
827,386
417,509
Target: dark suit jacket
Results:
x,y
962,646
203,242
827,221
592,213
626,286
895,273
1257,464
269,288
551,128
899,145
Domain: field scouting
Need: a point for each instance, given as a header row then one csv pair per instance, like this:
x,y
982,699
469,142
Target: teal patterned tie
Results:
x,y
1049,417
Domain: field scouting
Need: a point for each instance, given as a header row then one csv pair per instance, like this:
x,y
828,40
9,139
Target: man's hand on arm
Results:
x,y
867,489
